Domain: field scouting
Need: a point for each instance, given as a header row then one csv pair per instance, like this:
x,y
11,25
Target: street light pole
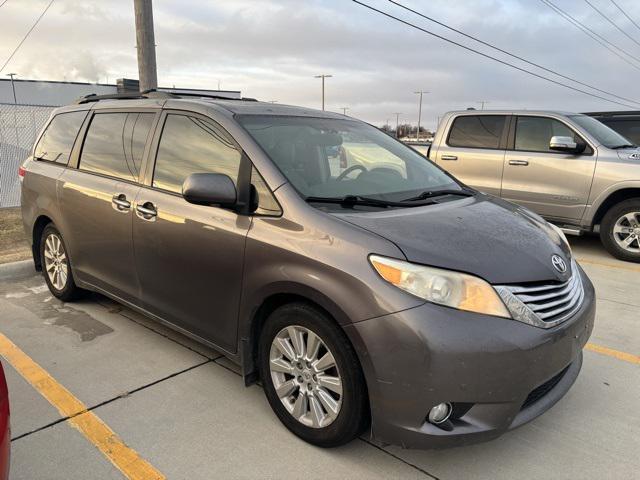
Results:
x,y
344,110
13,87
419,113
323,76
482,103
146,45
397,114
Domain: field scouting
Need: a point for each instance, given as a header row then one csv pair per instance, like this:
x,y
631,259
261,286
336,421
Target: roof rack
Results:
x,y
198,95
153,93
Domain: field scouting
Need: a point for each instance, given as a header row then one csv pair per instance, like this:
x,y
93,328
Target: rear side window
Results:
x,y
477,131
533,134
193,145
115,143
57,140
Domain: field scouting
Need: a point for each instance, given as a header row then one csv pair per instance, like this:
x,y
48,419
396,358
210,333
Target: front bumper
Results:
x,y
498,373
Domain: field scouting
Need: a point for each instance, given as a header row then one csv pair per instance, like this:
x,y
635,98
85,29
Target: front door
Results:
x,y
97,201
190,257
555,185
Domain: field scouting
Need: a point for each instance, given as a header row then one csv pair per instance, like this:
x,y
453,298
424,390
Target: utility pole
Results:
x,y
344,110
419,113
323,76
13,87
146,45
482,102
397,114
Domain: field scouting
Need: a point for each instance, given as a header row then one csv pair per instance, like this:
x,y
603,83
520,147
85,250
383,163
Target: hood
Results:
x,y
482,235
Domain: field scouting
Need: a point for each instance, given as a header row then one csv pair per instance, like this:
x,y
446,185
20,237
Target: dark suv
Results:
x,y
359,282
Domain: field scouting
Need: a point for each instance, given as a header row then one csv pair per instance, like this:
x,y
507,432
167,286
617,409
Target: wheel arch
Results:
x,y
613,199
38,227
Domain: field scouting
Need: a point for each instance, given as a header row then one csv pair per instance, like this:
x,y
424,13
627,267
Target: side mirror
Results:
x,y
210,189
565,144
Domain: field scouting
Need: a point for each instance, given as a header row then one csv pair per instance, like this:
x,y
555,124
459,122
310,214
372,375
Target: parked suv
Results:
x,y
376,291
569,168
626,123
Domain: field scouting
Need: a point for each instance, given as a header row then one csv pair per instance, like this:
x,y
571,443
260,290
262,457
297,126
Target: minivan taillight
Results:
x,y
21,172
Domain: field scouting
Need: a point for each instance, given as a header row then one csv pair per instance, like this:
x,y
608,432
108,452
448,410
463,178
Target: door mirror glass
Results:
x,y
210,189
563,144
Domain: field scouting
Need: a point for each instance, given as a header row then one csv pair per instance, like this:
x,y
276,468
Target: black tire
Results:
x,y
607,233
69,290
353,416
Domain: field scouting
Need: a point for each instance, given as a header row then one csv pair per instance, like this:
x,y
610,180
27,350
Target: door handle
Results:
x,y
147,211
522,163
448,157
120,202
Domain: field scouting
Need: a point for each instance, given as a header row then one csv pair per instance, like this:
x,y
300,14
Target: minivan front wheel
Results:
x,y
312,377
620,230
56,266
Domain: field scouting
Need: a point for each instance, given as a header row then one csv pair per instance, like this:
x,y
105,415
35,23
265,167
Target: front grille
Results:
x,y
539,392
544,304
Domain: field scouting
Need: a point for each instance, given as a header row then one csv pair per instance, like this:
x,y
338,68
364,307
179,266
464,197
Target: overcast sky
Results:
x,y
271,49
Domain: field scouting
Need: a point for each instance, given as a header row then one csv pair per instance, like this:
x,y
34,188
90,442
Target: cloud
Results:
x,y
271,49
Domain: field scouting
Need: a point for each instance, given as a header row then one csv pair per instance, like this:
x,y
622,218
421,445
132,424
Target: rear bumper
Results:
x,y
498,373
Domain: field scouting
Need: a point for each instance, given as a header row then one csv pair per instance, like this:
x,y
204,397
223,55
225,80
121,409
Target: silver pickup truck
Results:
x,y
569,168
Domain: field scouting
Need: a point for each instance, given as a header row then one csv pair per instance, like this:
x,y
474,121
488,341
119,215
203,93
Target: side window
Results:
x,y
115,143
58,139
267,204
192,145
534,133
477,131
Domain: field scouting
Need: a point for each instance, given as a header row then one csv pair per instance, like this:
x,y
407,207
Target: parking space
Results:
x,y
183,409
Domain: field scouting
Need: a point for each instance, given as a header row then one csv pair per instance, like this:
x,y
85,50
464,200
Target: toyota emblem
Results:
x,y
559,264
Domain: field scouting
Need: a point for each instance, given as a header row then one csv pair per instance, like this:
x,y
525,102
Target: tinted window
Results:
x,y
267,205
533,134
57,141
192,145
115,143
477,131
629,129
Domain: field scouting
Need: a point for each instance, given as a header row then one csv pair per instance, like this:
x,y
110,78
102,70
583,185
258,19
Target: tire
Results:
x,y
617,226
298,320
57,269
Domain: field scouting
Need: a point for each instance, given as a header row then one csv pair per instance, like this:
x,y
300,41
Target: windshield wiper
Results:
x,y
624,145
464,192
351,200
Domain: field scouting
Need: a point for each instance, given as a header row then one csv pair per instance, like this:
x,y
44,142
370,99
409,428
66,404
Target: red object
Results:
x,y
21,171
5,430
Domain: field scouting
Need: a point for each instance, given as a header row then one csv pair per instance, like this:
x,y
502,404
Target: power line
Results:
x,y
488,56
5,1
27,34
594,35
612,22
510,54
623,12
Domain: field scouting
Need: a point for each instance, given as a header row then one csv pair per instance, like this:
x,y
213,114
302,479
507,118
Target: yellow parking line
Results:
x,y
95,430
612,265
624,356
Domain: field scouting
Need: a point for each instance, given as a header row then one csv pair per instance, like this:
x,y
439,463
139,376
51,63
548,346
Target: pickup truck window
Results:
x,y
477,131
533,134
58,139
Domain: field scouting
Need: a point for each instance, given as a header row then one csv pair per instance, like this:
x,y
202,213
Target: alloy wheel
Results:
x,y
626,232
55,261
305,376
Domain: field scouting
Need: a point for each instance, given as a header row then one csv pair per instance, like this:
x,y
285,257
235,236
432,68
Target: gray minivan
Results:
x,y
362,285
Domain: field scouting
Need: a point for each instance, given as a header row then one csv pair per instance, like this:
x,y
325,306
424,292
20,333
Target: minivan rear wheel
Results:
x,y
56,266
620,230
312,377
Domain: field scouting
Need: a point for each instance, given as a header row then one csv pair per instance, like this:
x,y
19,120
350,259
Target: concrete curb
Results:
x,y
20,269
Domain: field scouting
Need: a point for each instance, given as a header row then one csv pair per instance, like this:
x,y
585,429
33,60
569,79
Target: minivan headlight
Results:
x,y
444,287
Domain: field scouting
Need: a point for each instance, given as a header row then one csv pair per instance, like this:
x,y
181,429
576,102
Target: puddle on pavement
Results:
x,y
34,295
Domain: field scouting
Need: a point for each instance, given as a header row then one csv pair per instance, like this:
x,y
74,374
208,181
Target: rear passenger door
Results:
x,y
190,257
97,200
553,184
473,150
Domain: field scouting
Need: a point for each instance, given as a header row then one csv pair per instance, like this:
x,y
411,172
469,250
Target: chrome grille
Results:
x,y
544,305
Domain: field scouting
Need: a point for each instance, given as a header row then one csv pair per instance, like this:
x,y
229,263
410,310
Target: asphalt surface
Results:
x,y
184,409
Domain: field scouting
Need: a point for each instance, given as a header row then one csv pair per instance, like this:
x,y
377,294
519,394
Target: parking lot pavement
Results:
x,y
185,411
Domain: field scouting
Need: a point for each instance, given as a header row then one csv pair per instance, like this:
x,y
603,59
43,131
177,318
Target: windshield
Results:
x,y
598,130
335,158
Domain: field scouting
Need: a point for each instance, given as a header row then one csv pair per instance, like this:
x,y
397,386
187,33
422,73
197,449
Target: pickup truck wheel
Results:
x,y
312,377
620,230
56,266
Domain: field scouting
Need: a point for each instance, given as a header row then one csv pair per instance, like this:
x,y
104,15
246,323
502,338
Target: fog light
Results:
x,y
440,413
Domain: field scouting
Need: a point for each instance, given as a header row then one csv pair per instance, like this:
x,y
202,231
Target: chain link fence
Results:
x,y
19,127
